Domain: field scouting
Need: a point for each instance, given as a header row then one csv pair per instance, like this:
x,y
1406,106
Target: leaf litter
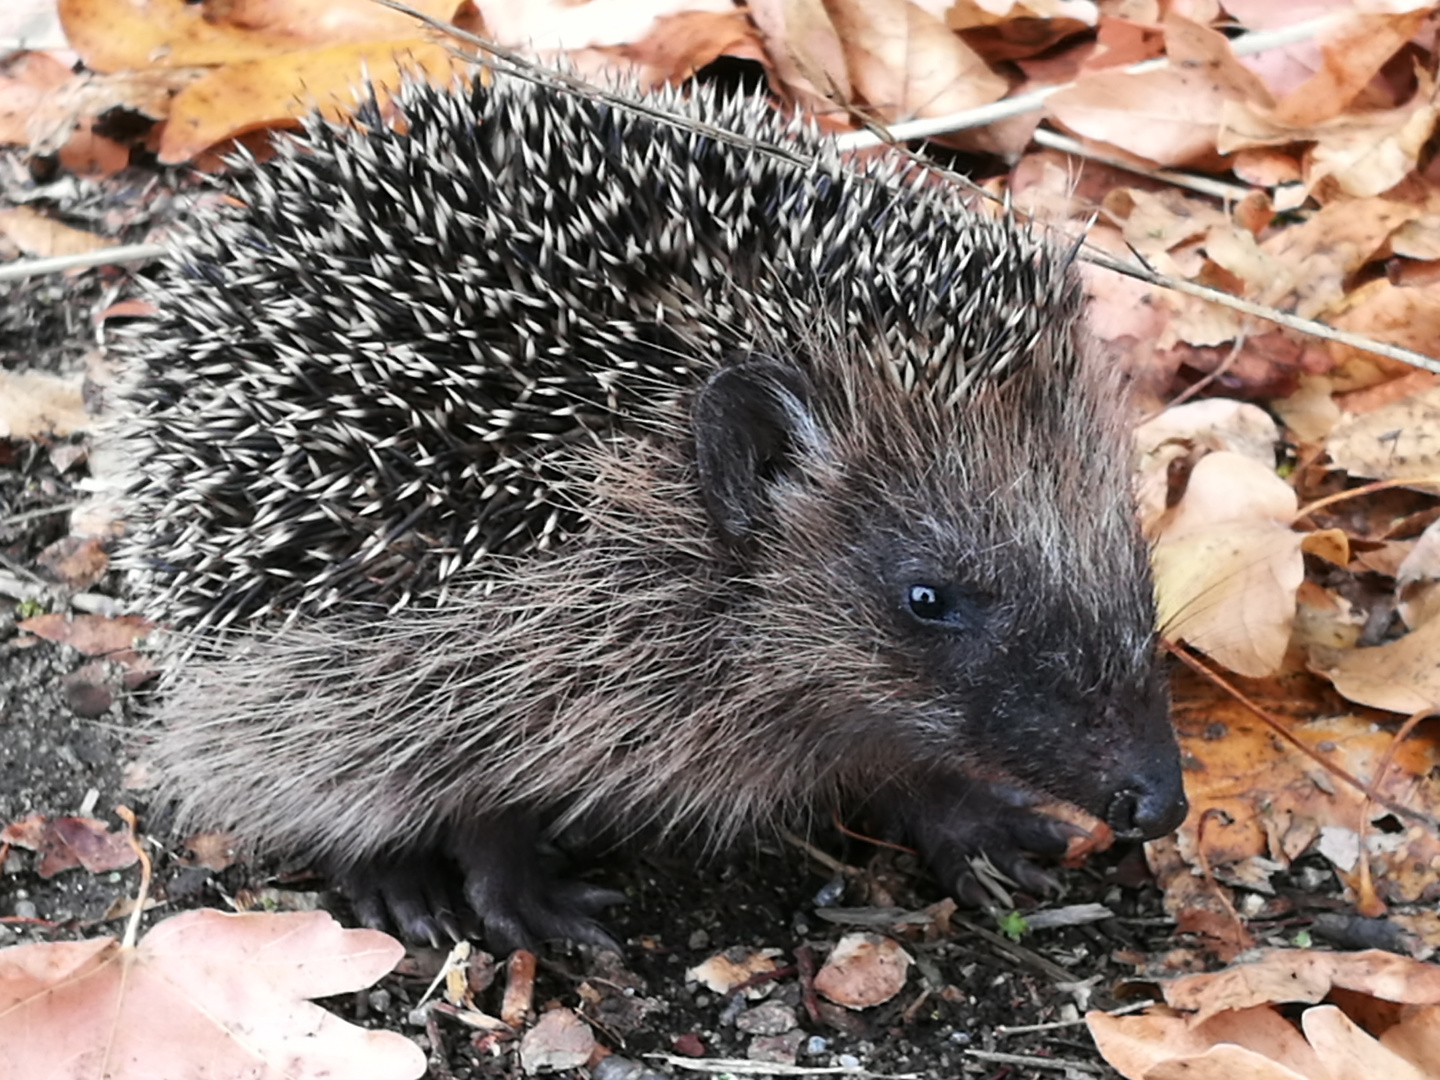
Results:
x,y
1302,598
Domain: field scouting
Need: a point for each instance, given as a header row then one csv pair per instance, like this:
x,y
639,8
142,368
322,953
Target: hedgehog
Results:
x,y
538,470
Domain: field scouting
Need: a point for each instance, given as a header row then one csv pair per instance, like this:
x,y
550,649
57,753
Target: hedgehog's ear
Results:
x,y
751,419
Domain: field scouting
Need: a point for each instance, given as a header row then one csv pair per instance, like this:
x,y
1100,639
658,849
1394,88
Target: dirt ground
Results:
x,y
68,737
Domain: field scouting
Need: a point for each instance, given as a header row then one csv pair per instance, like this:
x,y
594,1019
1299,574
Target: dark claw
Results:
x,y
410,895
954,819
519,901
491,875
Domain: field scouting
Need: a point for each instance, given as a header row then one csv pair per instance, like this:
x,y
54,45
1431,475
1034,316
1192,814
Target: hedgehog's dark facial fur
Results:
x,y
648,443
1038,628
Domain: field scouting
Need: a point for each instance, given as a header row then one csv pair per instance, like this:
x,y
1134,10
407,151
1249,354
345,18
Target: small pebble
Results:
x,y
818,1044
615,1067
831,892
768,1018
776,1049
733,1008
848,1061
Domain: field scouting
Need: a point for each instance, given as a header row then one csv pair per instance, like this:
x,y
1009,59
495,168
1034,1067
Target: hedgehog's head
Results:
x,y
957,586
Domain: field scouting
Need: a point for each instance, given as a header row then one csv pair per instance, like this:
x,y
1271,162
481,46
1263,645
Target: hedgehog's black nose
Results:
x,y
1148,805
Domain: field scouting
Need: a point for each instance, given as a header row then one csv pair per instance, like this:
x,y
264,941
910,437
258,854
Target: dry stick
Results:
x,y
1204,185
132,925
1053,1064
1198,387
1284,733
1246,45
1244,937
1055,1025
1365,489
1371,906
111,256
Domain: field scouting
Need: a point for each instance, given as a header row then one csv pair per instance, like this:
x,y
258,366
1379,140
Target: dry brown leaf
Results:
x,y
204,993
723,972
892,56
36,234
1248,1044
1202,907
93,635
1317,257
805,50
34,404
863,970
1416,1038
1418,239
329,22
1170,116
1417,579
1257,802
1353,52
965,14
904,62
28,81
77,562
678,45
1400,441
1227,565
559,1040
114,35
1366,153
1402,676
1227,1021
253,94
64,843
1304,975
1266,167
1349,1051
1156,223
1408,316
546,27
1187,432
1311,412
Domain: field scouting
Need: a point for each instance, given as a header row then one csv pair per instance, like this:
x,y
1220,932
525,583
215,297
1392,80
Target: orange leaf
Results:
x,y
261,93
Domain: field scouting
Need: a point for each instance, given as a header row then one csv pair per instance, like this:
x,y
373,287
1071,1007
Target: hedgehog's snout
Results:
x,y
1149,803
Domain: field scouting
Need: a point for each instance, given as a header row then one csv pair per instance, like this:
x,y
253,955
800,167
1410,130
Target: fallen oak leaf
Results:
x,y
1225,1024
205,992
1301,975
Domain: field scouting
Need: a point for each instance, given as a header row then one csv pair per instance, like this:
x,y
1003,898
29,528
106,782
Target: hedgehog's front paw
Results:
x,y
518,898
504,889
413,894
953,820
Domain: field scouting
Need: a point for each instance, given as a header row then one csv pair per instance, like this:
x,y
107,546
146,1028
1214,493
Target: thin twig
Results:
x,y
1036,1062
1204,185
111,256
1285,733
1246,45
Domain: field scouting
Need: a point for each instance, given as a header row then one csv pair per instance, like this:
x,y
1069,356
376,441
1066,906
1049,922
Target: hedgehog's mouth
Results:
x,y
1147,812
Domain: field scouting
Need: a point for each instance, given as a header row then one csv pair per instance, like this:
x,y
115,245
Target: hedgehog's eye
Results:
x,y
926,602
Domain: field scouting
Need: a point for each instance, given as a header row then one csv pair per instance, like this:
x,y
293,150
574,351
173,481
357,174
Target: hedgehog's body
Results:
x,y
773,488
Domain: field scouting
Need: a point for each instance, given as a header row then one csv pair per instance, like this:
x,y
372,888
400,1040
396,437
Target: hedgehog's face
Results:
x,y
977,664
959,620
